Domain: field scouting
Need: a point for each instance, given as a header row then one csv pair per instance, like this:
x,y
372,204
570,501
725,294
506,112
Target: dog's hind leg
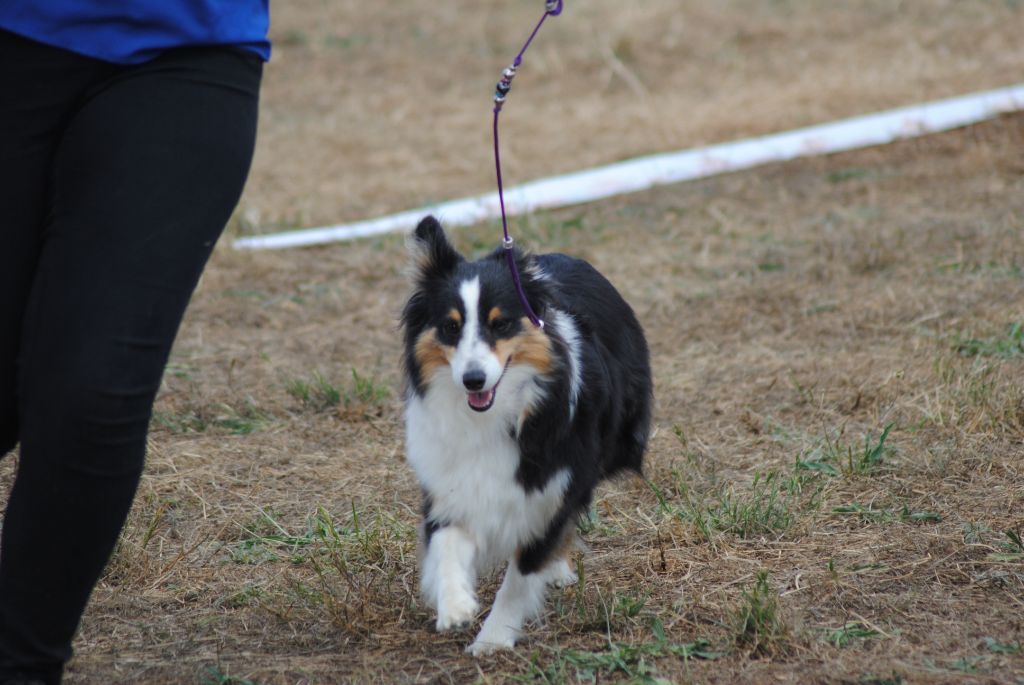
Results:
x,y
559,571
519,599
448,577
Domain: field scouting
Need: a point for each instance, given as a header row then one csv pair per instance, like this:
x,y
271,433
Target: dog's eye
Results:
x,y
450,328
502,326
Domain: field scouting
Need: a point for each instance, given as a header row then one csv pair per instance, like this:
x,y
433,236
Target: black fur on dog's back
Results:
x,y
609,429
615,386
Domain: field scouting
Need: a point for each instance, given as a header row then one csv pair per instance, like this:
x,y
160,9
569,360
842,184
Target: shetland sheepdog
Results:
x,y
510,426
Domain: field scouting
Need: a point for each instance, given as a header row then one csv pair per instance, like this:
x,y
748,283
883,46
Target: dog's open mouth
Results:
x,y
482,401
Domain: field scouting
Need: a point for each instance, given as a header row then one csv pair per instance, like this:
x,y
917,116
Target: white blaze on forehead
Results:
x,y
469,291
472,352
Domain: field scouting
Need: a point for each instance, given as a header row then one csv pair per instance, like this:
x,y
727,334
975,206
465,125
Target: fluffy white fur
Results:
x,y
469,461
571,334
449,578
519,599
471,471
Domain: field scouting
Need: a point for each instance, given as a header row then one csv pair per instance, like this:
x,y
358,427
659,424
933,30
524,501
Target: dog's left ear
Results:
x,y
532,278
433,256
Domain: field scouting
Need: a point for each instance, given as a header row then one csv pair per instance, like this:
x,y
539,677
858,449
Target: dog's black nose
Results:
x,y
474,379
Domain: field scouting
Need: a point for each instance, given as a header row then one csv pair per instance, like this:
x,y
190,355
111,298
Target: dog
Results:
x,y
510,426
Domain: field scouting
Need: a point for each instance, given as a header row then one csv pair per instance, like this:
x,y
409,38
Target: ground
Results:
x,y
834,491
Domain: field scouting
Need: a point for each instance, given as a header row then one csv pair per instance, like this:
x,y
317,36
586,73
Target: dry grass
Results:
x,y
795,313
835,479
377,107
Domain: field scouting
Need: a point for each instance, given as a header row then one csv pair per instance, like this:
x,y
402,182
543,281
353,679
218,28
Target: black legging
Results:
x,y
115,183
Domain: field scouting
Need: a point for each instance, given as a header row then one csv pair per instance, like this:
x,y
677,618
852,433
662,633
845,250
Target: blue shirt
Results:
x,y
134,31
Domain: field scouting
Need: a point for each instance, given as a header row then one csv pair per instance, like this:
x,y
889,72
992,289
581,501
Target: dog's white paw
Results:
x,y
456,612
484,645
561,575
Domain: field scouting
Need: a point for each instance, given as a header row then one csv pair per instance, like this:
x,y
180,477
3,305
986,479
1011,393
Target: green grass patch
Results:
x,y
266,540
848,174
975,533
974,663
993,645
215,676
361,536
195,418
249,595
366,390
1012,549
835,457
594,524
349,569
180,370
618,662
1010,344
893,678
848,633
767,507
758,627
318,393
871,514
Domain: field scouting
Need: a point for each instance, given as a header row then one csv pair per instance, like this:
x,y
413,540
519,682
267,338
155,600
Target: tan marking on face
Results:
x,y
531,347
503,349
455,315
431,354
493,315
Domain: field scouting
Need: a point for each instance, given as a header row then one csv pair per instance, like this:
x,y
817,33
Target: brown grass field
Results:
x,y
834,490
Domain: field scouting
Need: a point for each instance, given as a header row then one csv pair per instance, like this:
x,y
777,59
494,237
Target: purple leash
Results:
x,y
551,8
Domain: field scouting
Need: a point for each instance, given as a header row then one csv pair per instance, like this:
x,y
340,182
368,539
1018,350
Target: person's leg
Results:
x,y
146,177
38,87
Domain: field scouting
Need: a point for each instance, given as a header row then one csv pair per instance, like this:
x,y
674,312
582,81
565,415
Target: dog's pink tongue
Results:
x,y
481,400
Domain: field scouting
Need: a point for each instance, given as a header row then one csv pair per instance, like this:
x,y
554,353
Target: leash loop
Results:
x,y
552,8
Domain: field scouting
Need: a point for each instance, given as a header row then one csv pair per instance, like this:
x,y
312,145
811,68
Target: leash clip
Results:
x,y
507,243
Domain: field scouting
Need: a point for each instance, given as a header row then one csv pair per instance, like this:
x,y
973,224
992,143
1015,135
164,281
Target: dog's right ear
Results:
x,y
433,256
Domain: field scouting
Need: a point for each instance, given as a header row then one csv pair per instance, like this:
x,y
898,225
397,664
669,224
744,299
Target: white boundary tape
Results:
x,y
646,172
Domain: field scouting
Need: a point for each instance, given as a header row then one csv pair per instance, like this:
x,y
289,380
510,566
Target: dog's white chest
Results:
x,y
467,464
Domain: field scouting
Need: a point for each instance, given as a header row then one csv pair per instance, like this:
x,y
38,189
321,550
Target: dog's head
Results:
x,y
464,323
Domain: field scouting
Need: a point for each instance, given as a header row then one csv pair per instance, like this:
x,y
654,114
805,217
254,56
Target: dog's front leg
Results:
x,y
519,599
449,577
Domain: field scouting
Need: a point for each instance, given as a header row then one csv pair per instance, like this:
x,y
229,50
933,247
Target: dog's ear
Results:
x,y
531,276
526,262
432,254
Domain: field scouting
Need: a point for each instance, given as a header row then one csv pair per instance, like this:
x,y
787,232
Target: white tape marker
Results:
x,y
645,172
